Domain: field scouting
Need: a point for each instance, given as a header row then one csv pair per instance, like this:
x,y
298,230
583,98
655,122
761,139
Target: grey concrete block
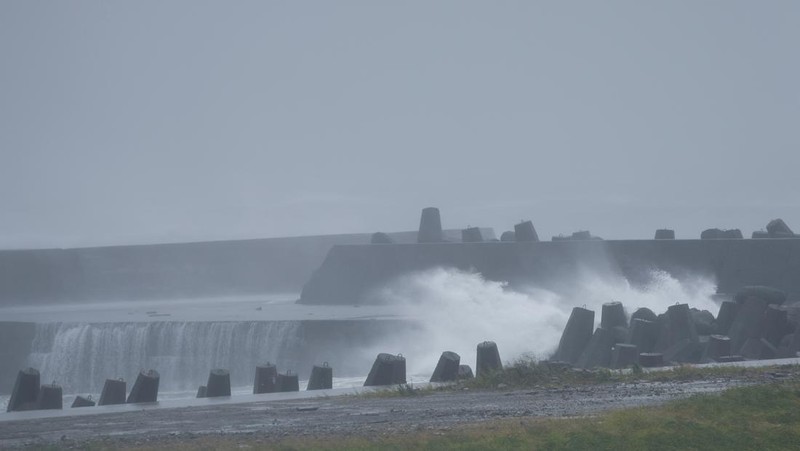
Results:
x,y
113,392
447,367
624,355
488,359
613,315
25,394
321,377
266,379
50,397
465,372
219,383
145,389
576,335
430,226
598,351
524,231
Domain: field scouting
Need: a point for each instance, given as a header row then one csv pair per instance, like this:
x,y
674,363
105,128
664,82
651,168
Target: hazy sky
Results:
x,y
153,121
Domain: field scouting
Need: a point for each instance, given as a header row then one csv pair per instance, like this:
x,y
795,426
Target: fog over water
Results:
x,y
148,121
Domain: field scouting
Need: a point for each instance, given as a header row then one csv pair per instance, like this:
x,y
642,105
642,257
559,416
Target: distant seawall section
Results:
x,y
169,271
349,274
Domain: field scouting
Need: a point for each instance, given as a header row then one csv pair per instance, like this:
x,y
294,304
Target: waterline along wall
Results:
x,y
351,273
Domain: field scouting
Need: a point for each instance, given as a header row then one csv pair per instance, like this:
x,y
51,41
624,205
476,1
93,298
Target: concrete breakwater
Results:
x,y
170,271
351,273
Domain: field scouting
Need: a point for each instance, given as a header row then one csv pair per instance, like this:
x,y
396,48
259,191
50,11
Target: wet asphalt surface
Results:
x,y
367,416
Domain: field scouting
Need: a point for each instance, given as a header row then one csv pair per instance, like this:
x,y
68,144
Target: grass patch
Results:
x,y
527,372
764,417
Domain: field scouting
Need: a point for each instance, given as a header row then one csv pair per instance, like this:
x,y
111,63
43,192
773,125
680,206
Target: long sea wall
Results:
x,y
350,274
168,271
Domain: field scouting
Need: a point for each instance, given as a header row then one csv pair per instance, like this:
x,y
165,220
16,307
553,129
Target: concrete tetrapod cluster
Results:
x,y
268,380
754,325
390,369
29,395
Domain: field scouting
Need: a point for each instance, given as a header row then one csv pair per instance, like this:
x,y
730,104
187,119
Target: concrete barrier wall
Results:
x,y
165,271
349,273
341,343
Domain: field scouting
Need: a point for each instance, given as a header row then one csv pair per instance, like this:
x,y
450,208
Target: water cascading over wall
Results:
x,y
81,356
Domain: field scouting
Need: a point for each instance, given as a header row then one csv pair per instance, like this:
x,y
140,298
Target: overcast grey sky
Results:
x,y
154,121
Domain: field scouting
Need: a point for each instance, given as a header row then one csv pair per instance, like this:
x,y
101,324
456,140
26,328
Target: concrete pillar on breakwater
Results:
x,y
711,234
718,234
725,317
51,397
321,377
202,391
447,367
758,349
576,335
430,226
748,323
25,394
684,350
399,369
732,234
381,238
81,401
775,325
488,359
524,231
665,234
113,392
645,314
624,355
145,389
677,326
718,346
465,372
387,369
598,351
703,321
471,235
288,382
651,359
643,334
777,228
613,315
266,379
219,383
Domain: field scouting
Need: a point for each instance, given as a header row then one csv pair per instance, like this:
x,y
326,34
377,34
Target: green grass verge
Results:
x,y
527,372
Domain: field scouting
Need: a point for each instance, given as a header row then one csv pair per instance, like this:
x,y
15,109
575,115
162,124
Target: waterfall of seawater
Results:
x,y
81,356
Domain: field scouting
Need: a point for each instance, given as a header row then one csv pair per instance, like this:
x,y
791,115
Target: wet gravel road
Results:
x,y
343,416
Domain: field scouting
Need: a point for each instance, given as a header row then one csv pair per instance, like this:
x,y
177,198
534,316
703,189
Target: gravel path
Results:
x,y
343,416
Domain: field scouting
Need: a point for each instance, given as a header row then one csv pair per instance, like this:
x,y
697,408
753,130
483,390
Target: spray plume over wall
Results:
x,y
460,309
